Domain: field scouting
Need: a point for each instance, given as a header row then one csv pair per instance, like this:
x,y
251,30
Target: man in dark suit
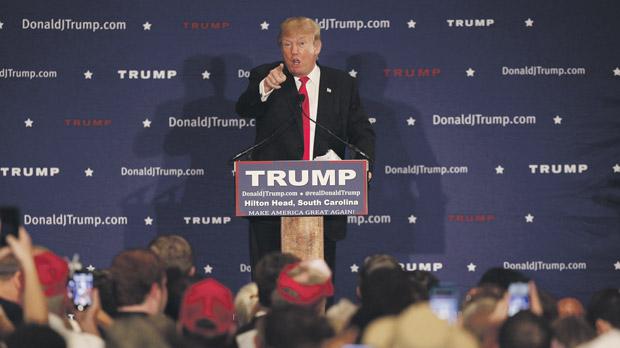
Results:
x,y
330,97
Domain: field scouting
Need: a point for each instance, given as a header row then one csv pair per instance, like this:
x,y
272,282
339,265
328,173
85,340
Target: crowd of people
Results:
x,y
153,297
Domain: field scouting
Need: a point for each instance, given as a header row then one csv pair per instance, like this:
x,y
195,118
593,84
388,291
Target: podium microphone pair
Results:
x,y
300,100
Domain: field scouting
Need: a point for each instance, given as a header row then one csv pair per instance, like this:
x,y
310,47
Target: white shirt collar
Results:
x,y
313,75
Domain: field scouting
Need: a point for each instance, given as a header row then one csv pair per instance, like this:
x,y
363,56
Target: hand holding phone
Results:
x,y
80,289
519,298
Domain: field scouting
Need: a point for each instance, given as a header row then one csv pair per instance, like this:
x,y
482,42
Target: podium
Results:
x,y
301,193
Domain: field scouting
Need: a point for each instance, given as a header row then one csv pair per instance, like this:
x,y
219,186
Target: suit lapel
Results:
x,y
325,107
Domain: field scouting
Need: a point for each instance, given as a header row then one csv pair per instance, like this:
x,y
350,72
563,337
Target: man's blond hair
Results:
x,y
299,25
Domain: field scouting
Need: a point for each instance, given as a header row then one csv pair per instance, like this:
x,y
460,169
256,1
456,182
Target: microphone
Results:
x,y
262,142
300,101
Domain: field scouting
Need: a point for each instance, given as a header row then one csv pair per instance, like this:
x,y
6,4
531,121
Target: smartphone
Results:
x,y
80,287
519,298
444,302
9,221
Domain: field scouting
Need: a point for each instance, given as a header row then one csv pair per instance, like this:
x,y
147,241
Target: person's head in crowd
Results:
x,y
502,277
102,281
525,330
416,327
176,284
294,327
477,317
307,283
549,305
570,307
267,272
422,282
34,335
175,252
139,280
373,263
571,331
207,312
11,288
246,302
604,310
300,42
53,274
386,291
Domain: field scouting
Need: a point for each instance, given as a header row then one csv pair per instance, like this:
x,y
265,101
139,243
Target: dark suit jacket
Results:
x,y
339,109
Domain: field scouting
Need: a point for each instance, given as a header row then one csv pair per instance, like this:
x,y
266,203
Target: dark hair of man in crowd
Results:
x,y
605,305
103,283
294,327
133,272
385,291
502,277
525,330
422,283
375,262
266,274
177,283
572,331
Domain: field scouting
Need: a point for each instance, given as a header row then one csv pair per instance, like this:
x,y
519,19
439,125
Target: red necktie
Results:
x,y
306,121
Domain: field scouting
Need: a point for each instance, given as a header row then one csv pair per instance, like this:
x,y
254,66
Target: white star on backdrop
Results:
x,y
264,25
90,268
208,269
146,123
617,266
89,172
471,267
411,121
617,71
499,170
616,168
206,75
1,25
354,268
353,73
147,26
557,119
148,221
529,22
529,218
88,75
470,72
411,24
29,123
412,219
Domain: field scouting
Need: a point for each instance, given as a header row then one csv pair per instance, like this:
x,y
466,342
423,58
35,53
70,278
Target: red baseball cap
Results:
x,y
207,299
53,272
297,292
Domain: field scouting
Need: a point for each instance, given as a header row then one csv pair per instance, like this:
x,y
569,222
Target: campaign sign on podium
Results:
x,y
301,188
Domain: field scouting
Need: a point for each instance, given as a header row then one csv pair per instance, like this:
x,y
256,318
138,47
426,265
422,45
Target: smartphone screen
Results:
x,y
80,287
9,221
519,298
444,302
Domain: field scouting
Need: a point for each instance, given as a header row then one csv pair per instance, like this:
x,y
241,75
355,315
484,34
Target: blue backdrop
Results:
x,y
497,130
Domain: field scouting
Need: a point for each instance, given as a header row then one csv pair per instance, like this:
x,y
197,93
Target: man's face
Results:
x,y
300,52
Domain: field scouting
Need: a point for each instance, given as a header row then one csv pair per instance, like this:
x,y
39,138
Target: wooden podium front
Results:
x,y
302,236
